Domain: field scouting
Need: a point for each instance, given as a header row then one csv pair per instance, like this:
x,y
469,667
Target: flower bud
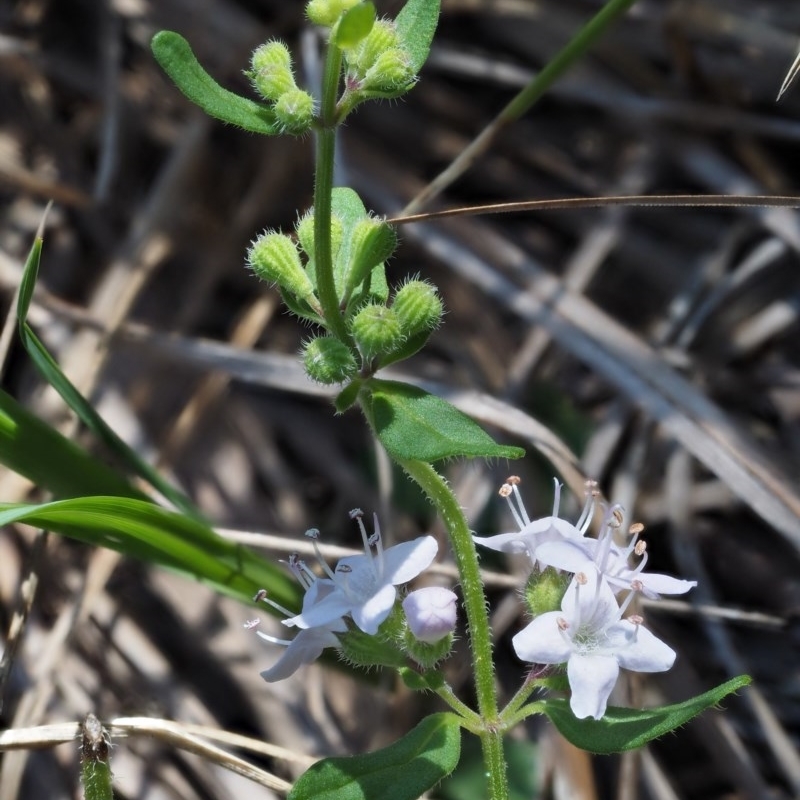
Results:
x,y
294,111
305,233
327,360
381,38
373,241
271,70
376,330
391,73
327,12
274,258
431,613
418,306
545,590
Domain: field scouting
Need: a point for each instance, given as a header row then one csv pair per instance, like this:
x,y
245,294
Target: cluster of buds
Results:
x,y
384,329
575,593
359,596
273,78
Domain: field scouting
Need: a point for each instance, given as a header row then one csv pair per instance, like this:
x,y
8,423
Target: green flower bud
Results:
x,y
428,654
327,12
271,70
274,258
381,38
295,111
418,306
373,241
305,233
545,590
376,330
391,73
327,360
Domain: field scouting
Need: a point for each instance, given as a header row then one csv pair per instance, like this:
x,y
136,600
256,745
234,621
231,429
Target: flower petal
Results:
x,y
503,542
656,584
541,641
305,648
406,560
591,679
568,554
369,615
644,651
334,605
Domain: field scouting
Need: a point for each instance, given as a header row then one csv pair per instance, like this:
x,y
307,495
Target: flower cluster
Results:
x,y
361,588
589,634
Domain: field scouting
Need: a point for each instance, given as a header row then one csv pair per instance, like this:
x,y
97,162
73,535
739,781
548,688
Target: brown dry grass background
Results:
x,y
658,345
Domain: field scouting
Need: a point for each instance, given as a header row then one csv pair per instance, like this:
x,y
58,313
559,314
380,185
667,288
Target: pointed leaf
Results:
x,y
413,424
626,728
176,58
156,535
416,24
354,25
402,771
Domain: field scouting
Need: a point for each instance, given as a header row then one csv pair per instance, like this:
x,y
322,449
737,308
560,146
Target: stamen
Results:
x,y
376,541
640,548
358,515
273,639
556,497
562,623
262,597
259,595
314,534
249,624
587,512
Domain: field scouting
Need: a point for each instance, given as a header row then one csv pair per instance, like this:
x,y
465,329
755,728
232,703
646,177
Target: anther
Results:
x,y
562,623
637,585
356,513
505,490
636,619
251,623
640,548
259,595
636,529
513,480
344,568
581,579
313,533
618,516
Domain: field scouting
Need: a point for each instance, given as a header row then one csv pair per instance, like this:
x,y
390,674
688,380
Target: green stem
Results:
x,y
472,722
323,187
516,702
477,618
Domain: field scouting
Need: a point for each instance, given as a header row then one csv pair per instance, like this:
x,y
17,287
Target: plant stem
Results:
x,y
323,186
477,618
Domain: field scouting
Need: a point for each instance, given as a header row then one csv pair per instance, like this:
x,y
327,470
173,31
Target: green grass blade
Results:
x,y
156,535
52,373
32,448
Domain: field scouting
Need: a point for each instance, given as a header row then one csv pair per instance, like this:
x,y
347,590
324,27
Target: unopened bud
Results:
x,y
305,233
431,613
390,75
327,12
271,70
295,111
418,306
381,38
274,258
373,241
377,330
327,360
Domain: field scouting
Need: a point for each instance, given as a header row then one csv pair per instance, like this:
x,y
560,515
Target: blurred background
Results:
x,y
653,350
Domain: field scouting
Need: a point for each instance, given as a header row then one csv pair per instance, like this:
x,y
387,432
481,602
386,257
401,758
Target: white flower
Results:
x,y
590,635
611,560
533,534
308,644
364,586
431,613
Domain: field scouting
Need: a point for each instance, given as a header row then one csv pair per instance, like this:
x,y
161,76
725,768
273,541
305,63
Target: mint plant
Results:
x,y
330,272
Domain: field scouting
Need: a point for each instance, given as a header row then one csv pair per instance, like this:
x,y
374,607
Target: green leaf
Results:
x,y
32,448
176,58
413,424
51,372
416,24
156,535
354,25
626,728
402,771
347,205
